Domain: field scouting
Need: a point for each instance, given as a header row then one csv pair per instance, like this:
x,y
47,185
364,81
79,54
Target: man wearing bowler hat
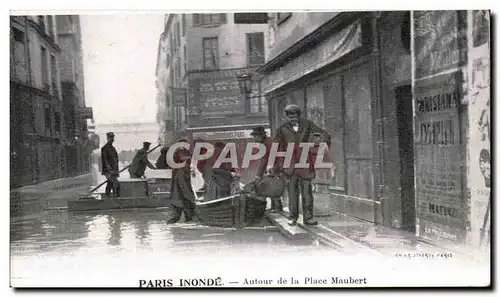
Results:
x,y
109,159
140,161
297,130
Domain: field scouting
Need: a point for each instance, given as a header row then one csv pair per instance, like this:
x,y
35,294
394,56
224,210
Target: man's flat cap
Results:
x,y
294,108
110,134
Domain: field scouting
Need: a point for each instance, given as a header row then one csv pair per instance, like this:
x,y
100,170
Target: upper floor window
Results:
x,y
201,19
50,24
177,35
185,59
53,72
41,21
283,16
183,20
255,48
18,63
44,68
210,53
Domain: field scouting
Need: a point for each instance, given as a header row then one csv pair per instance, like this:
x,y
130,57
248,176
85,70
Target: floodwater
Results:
x,y
49,247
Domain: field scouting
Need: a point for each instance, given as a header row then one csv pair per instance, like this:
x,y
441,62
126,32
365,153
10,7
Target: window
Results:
x,y
210,53
283,16
183,24
178,69
57,122
53,72
45,69
18,56
168,60
185,59
171,44
201,19
50,24
258,102
255,48
41,22
48,119
177,35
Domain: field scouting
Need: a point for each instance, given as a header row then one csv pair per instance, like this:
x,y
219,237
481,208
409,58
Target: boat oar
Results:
x,y
126,167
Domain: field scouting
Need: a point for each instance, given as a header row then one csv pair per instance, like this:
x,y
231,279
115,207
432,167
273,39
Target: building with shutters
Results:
x,y
199,57
38,113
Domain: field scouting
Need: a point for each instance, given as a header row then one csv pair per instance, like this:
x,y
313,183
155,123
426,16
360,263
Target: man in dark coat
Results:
x,y
259,135
110,166
182,196
140,161
297,130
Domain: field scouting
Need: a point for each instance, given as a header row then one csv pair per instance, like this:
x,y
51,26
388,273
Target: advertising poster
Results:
x,y
216,93
479,152
440,41
441,207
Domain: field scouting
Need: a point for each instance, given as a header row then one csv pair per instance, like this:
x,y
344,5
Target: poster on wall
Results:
x,y
479,153
441,206
440,41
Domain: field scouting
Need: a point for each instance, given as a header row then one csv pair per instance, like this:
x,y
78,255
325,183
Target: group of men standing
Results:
x,y
295,130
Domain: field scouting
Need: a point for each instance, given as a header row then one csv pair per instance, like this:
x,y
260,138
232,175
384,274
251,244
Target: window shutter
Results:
x,y
223,18
196,19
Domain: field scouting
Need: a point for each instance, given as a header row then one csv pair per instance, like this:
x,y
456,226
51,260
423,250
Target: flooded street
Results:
x,y
53,245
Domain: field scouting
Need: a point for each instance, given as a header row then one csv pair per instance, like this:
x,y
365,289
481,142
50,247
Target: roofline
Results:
x,y
320,33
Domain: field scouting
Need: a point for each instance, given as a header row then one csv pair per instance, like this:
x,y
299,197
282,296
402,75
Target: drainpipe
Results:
x,y
34,144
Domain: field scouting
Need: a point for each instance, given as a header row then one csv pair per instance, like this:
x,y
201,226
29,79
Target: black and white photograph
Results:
x,y
230,148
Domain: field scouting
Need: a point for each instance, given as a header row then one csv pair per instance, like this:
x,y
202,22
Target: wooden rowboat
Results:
x,y
236,211
152,192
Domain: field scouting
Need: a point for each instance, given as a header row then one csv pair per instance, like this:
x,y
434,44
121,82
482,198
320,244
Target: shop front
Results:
x,y
335,84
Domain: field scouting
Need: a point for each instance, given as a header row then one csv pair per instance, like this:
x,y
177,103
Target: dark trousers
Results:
x,y
294,182
276,204
112,185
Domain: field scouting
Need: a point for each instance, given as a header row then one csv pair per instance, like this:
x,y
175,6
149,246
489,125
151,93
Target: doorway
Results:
x,y
404,107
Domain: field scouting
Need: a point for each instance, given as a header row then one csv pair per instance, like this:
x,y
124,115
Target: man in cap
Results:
x,y
140,161
110,166
297,130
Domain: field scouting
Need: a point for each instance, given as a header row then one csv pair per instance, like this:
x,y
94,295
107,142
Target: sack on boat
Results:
x,y
270,186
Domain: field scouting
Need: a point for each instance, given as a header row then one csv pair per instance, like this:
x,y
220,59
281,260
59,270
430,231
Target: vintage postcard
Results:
x,y
233,149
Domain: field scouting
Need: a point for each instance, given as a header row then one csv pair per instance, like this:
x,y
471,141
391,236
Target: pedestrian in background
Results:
x,y
110,166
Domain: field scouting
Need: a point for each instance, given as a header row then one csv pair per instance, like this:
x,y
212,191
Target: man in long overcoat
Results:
x,y
297,130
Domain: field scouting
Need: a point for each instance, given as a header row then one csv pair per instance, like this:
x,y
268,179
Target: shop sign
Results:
x,y
222,135
216,93
327,52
